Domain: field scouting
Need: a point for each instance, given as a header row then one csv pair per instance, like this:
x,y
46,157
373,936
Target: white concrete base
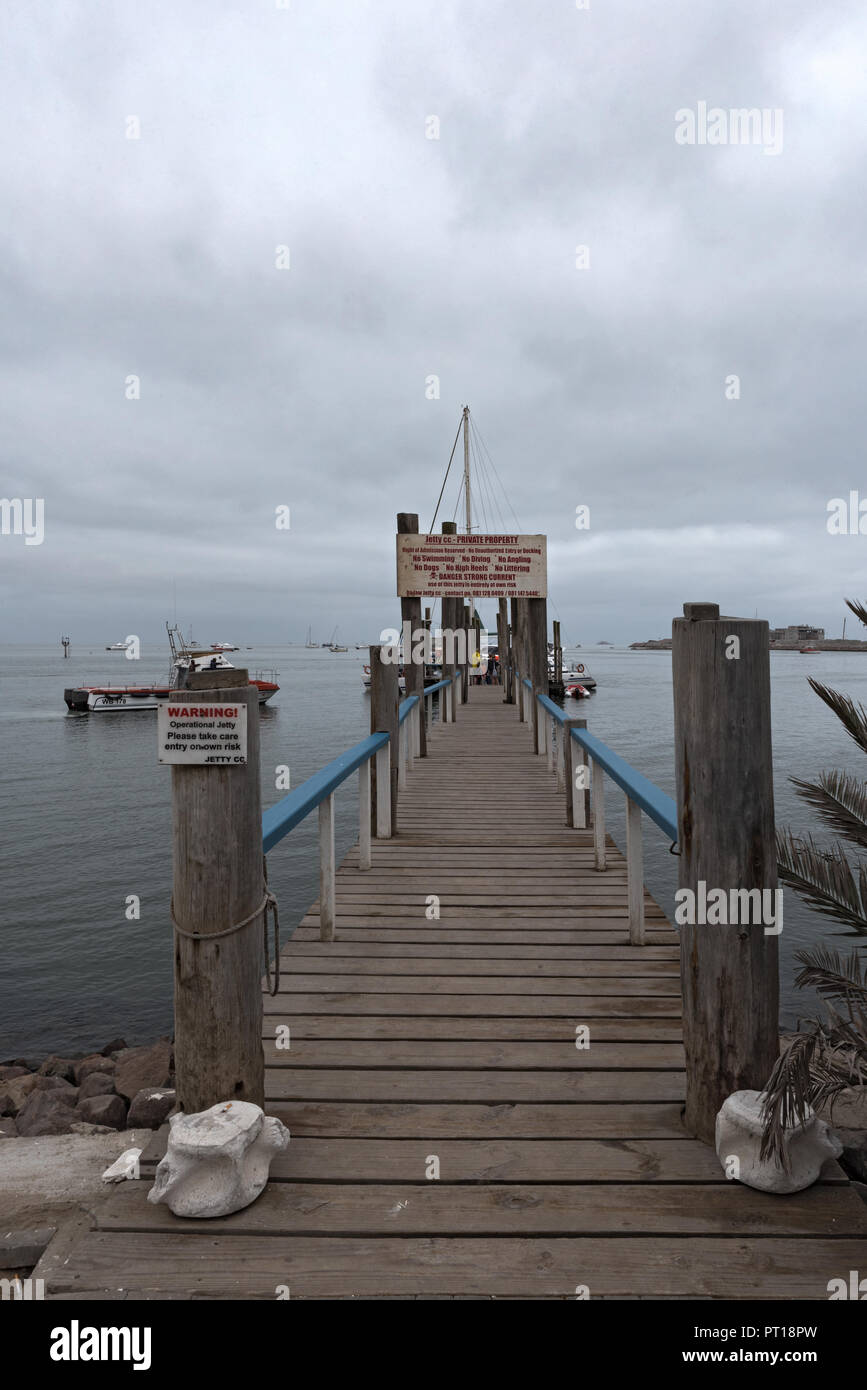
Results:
x,y
739,1136
217,1161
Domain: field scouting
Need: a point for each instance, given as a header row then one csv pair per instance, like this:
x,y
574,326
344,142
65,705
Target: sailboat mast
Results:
x,y
467,499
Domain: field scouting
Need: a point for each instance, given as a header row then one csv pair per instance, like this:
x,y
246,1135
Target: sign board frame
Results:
x,y
217,733
486,566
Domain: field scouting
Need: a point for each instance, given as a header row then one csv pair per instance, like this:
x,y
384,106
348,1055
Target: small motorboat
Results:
x,y
432,674
118,647
578,692
92,699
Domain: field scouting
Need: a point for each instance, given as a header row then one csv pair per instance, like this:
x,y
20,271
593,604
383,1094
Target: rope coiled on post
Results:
x,y
268,904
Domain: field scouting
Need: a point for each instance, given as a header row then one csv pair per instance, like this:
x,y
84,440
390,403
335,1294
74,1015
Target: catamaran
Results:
x,y
93,699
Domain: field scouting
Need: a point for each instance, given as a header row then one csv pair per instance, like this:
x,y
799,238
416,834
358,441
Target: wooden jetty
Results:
x,y
449,1138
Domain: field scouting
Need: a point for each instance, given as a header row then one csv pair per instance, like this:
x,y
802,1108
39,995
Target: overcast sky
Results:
x,y
411,257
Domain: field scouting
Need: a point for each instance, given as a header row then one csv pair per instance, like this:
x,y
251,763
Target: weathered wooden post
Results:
x,y
450,606
725,804
410,611
576,804
503,647
384,698
218,901
519,640
537,662
467,627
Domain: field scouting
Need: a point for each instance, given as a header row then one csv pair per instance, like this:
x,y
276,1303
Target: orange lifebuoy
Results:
x,y
580,669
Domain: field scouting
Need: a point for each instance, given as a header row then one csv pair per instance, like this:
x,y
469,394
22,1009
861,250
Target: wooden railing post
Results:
x,y
382,792
549,739
218,881
327,902
384,696
364,860
634,873
562,736
597,796
576,806
410,611
725,808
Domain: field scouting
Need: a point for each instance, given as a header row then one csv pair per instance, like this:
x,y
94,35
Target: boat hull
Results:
x,y
136,699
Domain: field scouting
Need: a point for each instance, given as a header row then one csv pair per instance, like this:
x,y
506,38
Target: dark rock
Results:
x,y
151,1107
10,1071
116,1045
45,1112
5,1103
8,1127
103,1110
99,1083
18,1090
58,1066
93,1062
139,1068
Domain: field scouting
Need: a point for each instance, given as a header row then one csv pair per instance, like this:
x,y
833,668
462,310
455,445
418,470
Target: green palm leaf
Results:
x,y
841,801
853,717
824,879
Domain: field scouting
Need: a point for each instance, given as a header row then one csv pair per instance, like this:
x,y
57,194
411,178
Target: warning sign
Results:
x,y
484,566
194,733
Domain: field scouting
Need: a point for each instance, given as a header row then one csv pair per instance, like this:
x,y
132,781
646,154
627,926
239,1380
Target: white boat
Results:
x,y
118,647
94,699
310,642
224,647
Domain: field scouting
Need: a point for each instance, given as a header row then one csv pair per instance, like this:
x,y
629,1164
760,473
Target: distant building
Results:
x,y
797,632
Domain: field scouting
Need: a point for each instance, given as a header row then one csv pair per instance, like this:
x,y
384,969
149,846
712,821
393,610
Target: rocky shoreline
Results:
x,y
117,1088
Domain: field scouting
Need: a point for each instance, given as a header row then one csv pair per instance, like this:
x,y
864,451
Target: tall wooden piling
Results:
x,y
384,700
518,641
537,662
503,647
451,607
513,651
218,882
725,802
410,611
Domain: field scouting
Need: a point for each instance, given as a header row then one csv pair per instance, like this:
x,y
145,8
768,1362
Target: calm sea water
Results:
x,y
85,814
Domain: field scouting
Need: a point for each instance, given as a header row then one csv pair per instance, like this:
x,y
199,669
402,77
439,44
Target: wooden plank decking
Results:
x,y
416,1039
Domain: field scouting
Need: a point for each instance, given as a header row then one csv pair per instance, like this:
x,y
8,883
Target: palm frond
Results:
x,y
824,879
858,609
841,801
786,1097
811,1074
853,717
837,979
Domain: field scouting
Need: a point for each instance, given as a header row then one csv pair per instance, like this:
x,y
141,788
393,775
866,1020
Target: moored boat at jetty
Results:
x,y
432,674
93,699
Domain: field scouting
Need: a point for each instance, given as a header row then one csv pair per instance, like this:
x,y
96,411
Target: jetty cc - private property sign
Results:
x,y
215,735
484,566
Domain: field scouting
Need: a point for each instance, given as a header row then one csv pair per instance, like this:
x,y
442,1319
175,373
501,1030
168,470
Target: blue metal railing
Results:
x,y
293,808
406,707
661,809
278,820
